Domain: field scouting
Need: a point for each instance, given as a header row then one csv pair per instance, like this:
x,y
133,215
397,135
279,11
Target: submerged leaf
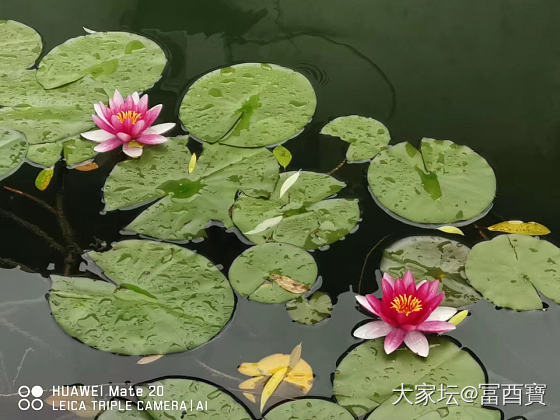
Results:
x,y
288,183
149,359
451,229
289,284
282,155
264,225
44,179
520,227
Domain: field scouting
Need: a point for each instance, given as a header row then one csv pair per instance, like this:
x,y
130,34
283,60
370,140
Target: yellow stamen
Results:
x,y
406,304
133,116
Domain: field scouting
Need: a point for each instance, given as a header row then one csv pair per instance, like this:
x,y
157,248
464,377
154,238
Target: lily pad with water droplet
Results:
x,y
367,137
366,377
442,183
188,202
122,60
451,412
309,220
248,105
510,270
250,274
432,258
310,311
20,45
13,148
161,299
308,408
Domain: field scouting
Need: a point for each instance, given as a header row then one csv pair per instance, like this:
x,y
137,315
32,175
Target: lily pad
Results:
x,y
308,408
44,154
451,412
122,60
432,258
248,105
310,311
443,183
13,148
220,405
308,220
121,413
250,273
189,201
20,45
77,150
366,377
367,137
509,270
163,299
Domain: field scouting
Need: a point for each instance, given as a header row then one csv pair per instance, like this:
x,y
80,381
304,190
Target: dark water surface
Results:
x,y
484,74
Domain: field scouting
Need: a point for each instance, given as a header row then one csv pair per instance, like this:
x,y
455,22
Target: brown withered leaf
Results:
x,y
86,167
149,359
289,284
82,406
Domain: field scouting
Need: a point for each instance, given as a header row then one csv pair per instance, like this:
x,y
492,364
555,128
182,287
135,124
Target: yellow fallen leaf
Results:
x,y
272,384
149,359
451,229
458,317
289,284
192,163
86,167
252,384
518,226
82,406
295,356
44,179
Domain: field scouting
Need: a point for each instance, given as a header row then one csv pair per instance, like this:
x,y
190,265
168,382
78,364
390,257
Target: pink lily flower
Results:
x,y
127,122
407,311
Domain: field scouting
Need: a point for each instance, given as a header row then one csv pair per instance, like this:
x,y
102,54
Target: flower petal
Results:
x,y
408,280
374,303
117,99
362,300
108,145
437,327
135,97
97,135
151,139
132,150
387,277
417,343
393,340
442,313
159,128
102,124
123,137
152,114
372,330
387,284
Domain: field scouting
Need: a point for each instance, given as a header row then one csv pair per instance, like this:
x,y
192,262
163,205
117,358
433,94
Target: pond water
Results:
x,y
481,74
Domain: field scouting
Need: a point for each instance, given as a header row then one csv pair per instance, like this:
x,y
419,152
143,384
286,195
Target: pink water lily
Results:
x,y
127,122
407,311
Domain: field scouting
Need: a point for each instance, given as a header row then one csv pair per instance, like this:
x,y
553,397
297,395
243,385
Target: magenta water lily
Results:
x,y
127,123
407,311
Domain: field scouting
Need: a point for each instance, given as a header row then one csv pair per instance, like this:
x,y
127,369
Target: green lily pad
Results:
x,y
13,148
44,154
122,60
250,273
432,258
20,45
509,270
248,105
164,299
124,414
308,220
189,202
220,405
367,137
308,408
366,377
451,412
76,151
443,183
310,311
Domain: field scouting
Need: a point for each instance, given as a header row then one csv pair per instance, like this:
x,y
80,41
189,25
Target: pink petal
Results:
x,y
408,280
417,342
102,124
387,286
108,145
118,100
420,284
99,111
135,98
152,114
123,137
362,300
159,128
128,102
393,340
151,139
387,277
442,313
375,304
437,327
142,105
372,330
137,129
132,151
97,135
